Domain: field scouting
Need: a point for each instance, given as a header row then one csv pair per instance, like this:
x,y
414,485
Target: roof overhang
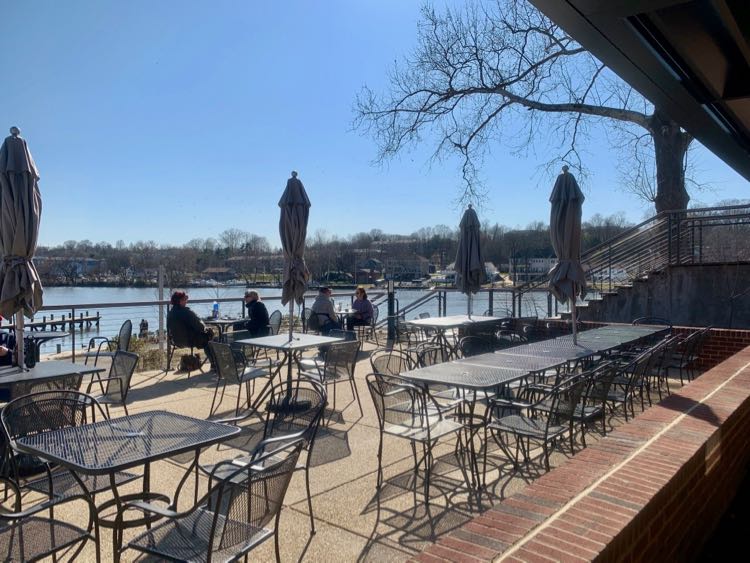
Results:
x,y
689,58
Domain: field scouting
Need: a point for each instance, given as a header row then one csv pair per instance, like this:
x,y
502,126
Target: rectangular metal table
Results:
x,y
12,377
109,446
289,347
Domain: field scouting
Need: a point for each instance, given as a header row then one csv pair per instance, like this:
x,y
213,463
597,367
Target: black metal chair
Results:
x,y
309,400
240,511
116,385
274,323
306,314
44,412
390,362
25,535
367,331
339,364
230,369
409,412
172,346
473,346
110,346
687,353
544,421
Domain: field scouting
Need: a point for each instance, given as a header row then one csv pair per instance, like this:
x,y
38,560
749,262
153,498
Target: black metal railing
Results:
x,y
692,236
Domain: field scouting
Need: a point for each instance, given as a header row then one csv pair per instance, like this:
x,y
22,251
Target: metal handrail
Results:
x,y
668,238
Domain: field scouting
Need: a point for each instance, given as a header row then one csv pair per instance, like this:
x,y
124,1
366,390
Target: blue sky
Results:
x,y
170,121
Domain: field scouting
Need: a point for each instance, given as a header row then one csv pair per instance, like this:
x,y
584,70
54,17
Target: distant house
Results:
x,y
219,274
524,269
406,268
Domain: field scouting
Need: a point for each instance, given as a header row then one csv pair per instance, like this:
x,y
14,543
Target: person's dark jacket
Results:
x,y
7,339
185,328
257,322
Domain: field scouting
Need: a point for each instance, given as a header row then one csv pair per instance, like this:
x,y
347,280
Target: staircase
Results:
x,y
627,273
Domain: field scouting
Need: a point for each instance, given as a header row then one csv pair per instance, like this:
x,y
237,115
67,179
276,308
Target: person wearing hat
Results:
x,y
323,308
257,315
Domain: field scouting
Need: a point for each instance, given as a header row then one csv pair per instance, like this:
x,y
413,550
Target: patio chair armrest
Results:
x,y
41,507
102,340
509,403
152,508
233,420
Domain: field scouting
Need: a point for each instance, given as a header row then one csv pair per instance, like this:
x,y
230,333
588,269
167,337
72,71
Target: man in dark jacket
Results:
x,y
257,315
184,326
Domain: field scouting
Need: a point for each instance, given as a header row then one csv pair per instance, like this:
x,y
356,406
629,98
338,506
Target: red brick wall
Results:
x,y
653,490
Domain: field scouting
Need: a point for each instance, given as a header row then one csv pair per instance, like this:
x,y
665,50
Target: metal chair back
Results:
x,y
309,398
274,322
246,499
397,402
225,362
123,337
120,374
390,362
70,382
473,346
428,355
307,314
340,361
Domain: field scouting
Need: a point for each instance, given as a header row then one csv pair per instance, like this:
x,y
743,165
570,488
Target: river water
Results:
x,y
230,300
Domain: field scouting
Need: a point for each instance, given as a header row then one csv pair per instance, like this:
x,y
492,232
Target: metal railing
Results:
x,y
692,236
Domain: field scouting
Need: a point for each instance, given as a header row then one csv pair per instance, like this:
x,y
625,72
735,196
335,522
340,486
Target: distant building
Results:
x,y
524,269
219,274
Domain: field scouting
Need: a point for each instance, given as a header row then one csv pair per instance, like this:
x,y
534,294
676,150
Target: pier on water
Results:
x,y
63,322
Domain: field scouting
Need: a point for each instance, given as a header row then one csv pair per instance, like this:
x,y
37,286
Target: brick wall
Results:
x,y
653,489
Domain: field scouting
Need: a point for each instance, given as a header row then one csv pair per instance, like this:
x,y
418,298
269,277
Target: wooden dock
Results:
x,y
62,323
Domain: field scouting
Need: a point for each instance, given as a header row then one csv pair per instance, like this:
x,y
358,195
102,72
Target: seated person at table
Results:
x,y
323,309
363,308
257,321
184,326
7,347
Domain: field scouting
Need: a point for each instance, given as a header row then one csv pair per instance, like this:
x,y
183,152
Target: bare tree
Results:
x,y
503,72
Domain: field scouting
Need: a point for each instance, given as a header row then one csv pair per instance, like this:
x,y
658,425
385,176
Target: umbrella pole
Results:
x,y
468,306
19,340
573,316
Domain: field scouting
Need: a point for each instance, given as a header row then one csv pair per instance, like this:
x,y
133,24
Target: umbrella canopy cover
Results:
x,y
20,213
567,279
295,212
469,264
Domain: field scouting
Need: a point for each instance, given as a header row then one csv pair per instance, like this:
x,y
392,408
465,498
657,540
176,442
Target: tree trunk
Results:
x,y
670,146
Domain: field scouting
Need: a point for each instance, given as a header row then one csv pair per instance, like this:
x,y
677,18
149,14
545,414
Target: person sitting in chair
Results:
x,y
323,308
363,308
257,321
7,348
184,326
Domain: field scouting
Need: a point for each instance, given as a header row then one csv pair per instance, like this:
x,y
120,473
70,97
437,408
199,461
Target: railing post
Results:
x,y
679,242
391,311
549,304
669,239
491,302
609,260
700,242
72,336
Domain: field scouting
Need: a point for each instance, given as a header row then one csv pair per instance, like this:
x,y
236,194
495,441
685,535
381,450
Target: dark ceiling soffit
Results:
x,y
618,41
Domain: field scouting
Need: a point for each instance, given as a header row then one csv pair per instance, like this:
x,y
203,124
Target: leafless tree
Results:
x,y
502,72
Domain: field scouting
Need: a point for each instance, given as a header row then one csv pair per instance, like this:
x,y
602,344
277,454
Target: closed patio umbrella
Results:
x,y
295,212
20,212
469,264
566,278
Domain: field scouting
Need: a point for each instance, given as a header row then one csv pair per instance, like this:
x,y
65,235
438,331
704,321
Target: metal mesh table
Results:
x,y
109,446
12,377
117,444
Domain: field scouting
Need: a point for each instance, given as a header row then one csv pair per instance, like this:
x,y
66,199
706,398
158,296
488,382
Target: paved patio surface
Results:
x,y
353,522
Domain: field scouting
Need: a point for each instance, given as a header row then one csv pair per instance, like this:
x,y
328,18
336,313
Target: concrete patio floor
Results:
x,y
353,522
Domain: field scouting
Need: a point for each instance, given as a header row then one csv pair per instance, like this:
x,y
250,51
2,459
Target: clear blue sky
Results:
x,y
174,120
